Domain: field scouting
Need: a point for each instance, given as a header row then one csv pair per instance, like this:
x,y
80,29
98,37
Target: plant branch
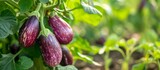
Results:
x,y
53,6
68,10
11,2
38,7
64,5
42,18
14,4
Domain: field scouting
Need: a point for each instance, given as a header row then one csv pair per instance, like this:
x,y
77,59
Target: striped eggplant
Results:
x,y
51,50
61,29
29,31
67,58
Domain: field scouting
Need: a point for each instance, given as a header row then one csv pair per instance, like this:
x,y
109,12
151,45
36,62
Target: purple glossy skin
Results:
x,y
29,31
62,29
51,50
67,58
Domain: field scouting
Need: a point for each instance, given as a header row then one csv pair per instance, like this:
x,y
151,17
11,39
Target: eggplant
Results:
x,y
67,58
141,5
14,48
29,31
51,50
61,29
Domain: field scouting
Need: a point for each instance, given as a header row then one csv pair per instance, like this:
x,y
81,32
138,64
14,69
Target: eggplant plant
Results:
x,y
34,42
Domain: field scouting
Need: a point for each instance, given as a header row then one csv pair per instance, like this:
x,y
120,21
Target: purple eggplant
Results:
x,y
14,48
29,31
51,50
67,58
62,29
142,4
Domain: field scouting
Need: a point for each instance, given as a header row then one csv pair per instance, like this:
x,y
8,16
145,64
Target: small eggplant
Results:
x,y
141,5
67,58
14,48
29,31
51,50
62,29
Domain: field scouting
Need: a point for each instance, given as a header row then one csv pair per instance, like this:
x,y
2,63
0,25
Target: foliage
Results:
x,y
14,14
127,26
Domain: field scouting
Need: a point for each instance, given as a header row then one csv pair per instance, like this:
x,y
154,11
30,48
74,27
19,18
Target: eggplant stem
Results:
x,y
53,6
38,7
42,19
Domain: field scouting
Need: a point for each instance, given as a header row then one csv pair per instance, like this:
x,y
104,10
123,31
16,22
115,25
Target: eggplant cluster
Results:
x,y
50,45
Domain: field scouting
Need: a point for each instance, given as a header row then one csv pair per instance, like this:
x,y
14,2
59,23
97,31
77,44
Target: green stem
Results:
x,y
158,65
53,6
14,64
38,7
133,50
18,53
41,18
54,68
65,8
126,60
11,2
68,10
107,62
14,4
121,51
125,65
74,8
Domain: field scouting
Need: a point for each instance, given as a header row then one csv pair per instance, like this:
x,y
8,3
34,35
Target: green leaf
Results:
x,y
92,19
44,1
82,16
69,67
24,63
131,42
122,43
103,7
73,4
157,43
139,66
90,9
25,5
33,51
112,40
150,36
6,63
7,23
4,6
148,46
156,54
88,59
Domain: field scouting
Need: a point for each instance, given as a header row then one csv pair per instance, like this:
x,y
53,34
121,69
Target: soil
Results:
x,y
117,60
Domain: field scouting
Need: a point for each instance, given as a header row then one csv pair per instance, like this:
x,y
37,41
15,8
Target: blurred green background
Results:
x,y
125,18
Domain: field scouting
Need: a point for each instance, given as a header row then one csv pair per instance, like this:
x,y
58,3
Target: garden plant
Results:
x,y
79,35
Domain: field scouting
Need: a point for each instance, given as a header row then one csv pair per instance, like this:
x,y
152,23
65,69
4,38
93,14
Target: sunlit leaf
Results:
x,y
84,17
90,9
139,66
69,67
